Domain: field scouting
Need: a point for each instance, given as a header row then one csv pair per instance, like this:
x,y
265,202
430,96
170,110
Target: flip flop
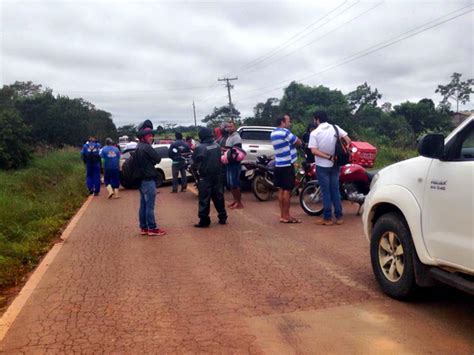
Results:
x,y
293,220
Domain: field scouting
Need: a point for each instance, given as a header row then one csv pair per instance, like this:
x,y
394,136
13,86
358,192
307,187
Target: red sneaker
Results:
x,y
144,231
156,231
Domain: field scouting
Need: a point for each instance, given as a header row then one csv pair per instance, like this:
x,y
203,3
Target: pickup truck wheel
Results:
x,y
311,199
391,252
160,178
260,188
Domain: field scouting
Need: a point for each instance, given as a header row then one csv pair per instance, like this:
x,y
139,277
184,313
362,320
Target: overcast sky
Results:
x,y
151,59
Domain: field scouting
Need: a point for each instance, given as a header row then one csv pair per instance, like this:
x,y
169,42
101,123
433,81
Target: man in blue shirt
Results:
x,y
284,143
111,157
90,156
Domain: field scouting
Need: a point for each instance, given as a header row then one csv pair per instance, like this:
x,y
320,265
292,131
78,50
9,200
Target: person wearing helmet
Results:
x,y
111,157
147,158
90,155
207,162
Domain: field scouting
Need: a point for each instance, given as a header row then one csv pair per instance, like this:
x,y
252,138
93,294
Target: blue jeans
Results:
x,y
146,214
329,181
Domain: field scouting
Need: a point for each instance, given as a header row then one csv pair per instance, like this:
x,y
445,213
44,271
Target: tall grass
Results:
x,y
387,155
35,203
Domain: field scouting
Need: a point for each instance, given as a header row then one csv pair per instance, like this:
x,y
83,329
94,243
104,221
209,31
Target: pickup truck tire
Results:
x,y
260,188
391,252
160,179
311,200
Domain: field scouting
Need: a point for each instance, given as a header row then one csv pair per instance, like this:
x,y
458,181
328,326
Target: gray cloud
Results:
x,y
151,59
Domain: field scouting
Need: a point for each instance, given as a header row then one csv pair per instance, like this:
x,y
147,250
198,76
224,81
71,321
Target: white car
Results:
x,y
163,168
419,216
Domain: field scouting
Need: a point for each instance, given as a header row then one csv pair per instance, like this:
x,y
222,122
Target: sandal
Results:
x,y
292,220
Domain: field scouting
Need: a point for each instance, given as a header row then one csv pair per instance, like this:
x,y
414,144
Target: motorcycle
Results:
x,y
261,175
354,185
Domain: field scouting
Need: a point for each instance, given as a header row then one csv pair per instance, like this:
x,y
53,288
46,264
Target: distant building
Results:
x,y
459,117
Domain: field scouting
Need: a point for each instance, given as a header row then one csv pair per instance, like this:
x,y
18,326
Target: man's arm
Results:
x,y
293,139
152,154
321,154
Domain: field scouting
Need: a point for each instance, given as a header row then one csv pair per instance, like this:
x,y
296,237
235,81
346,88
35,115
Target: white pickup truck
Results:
x,y
419,216
256,141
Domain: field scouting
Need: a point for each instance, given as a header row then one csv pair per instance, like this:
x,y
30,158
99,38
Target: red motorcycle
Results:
x,y
354,185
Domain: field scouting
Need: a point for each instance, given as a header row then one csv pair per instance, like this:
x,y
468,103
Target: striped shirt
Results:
x,y
283,142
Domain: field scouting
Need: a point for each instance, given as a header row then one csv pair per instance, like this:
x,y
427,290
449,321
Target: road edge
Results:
x,y
9,317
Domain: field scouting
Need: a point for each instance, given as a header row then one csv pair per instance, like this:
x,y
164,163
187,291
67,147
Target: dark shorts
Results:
x,y
233,175
285,177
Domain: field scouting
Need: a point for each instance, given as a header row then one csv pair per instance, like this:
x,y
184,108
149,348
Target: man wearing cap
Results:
x,y
147,158
90,155
111,157
177,152
207,161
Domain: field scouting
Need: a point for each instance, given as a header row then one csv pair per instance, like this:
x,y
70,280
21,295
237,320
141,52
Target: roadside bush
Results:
x,y
14,137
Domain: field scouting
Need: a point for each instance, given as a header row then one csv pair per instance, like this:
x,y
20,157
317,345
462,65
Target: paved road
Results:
x,y
253,286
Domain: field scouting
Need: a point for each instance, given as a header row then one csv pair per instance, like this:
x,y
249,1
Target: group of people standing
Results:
x,y
216,168
319,143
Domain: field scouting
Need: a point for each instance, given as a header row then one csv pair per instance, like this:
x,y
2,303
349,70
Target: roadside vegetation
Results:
x,y
35,204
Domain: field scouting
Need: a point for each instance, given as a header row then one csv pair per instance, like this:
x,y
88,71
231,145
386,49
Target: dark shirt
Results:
x,y
147,158
307,152
176,151
207,158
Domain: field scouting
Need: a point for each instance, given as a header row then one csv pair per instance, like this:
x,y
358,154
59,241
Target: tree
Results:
x,y
456,90
363,96
14,138
219,115
26,88
129,130
264,113
423,117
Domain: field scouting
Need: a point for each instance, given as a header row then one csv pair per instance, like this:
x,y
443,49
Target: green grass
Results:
x,y
387,155
35,204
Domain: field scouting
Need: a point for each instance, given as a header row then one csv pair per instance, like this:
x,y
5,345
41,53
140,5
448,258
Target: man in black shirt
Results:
x,y
207,161
175,152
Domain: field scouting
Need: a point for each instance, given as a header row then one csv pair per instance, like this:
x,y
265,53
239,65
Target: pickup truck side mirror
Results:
x,y
431,146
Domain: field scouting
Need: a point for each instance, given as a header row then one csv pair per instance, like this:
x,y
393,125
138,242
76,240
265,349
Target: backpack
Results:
x,y
92,154
132,174
341,154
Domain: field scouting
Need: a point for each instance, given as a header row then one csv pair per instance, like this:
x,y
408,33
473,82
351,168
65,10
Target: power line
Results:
x,y
372,49
317,39
283,45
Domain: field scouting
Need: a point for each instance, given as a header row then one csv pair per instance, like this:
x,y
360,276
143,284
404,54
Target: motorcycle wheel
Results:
x,y
311,199
260,188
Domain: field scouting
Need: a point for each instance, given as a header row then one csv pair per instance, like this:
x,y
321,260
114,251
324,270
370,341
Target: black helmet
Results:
x,y
144,128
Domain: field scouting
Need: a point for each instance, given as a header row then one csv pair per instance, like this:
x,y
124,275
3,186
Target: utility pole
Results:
x,y
194,111
229,86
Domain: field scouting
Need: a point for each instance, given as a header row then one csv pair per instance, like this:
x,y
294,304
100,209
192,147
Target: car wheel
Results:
x,y
160,179
391,252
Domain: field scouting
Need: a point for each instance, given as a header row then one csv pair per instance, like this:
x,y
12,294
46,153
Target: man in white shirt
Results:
x,y
322,143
